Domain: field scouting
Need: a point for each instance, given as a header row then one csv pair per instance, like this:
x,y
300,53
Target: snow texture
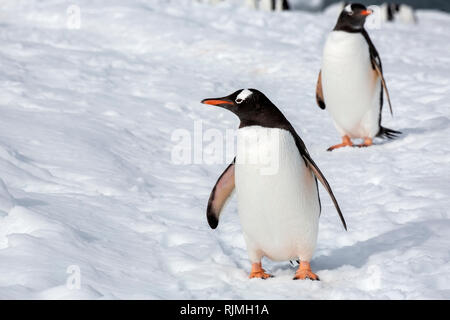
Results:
x,y
87,181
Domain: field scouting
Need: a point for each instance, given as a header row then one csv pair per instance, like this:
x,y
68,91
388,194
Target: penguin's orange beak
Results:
x,y
366,12
217,102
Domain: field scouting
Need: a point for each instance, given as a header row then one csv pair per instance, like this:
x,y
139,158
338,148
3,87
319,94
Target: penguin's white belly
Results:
x,y
277,195
350,87
406,14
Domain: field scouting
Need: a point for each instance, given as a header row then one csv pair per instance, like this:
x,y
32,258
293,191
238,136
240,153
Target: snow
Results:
x,y
87,181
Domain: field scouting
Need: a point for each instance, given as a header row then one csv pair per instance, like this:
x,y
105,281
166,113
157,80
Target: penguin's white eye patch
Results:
x,y
244,94
348,9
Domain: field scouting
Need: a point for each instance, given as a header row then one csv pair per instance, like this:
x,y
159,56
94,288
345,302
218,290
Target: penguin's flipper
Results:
x,y
376,65
383,82
316,171
319,93
219,195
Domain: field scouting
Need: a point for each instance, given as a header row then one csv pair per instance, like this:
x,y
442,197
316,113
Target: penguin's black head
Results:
x,y
352,18
252,107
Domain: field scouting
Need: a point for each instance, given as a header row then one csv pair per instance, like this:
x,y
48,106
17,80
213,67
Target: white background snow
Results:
x,y
87,178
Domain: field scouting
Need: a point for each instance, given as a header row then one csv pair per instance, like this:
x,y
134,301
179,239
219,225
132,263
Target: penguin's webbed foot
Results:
x,y
304,272
303,275
259,272
367,143
346,142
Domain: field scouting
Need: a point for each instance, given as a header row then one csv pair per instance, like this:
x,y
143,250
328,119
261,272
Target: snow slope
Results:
x,y
87,178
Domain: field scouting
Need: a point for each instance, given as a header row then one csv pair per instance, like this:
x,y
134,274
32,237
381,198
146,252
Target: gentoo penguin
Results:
x,y
268,5
351,82
392,12
280,5
276,185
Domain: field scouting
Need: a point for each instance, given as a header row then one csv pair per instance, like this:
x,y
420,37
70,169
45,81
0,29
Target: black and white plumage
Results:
x,y
279,209
351,82
264,5
398,12
268,5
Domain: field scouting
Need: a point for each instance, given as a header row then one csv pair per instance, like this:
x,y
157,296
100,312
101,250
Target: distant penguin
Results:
x,y
268,5
350,84
281,5
395,12
276,185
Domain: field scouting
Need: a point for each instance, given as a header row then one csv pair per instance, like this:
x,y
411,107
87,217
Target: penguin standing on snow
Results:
x,y
351,82
392,12
268,5
276,185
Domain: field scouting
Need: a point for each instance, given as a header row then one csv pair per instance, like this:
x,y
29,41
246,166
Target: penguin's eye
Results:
x,y
350,13
239,100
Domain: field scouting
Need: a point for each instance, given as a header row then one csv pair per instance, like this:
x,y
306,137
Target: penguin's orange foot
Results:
x,y
337,146
260,275
346,142
304,272
259,272
302,275
367,143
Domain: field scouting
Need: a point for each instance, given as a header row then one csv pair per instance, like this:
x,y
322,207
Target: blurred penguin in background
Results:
x,y
394,12
268,5
388,11
264,5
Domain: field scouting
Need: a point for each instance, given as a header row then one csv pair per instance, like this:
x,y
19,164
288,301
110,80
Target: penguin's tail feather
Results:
x,y
388,133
